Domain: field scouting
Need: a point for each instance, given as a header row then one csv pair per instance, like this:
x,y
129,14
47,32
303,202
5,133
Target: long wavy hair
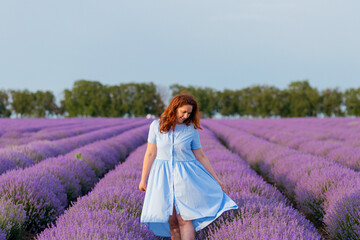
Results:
x,y
168,117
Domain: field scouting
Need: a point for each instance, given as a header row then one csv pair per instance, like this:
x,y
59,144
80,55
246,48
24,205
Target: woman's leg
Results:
x,y
187,229
174,226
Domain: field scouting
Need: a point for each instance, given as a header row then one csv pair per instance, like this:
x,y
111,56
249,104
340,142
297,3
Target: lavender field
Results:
x,y
77,178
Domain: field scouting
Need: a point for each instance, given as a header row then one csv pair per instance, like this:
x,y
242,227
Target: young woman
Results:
x,y
183,194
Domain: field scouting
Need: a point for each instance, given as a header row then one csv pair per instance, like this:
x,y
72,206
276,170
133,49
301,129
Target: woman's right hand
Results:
x,y
142,186
221,184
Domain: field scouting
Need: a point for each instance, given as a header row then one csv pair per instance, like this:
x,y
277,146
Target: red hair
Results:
x,y
168,117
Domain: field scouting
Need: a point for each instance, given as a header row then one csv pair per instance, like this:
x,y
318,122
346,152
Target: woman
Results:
x,y
183,193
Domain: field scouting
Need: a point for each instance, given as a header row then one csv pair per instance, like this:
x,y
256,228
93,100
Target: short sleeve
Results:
x,y
195,143
152,132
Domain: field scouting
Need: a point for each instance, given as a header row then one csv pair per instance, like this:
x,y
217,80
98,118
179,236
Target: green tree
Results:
x,y
44,104
147,100
262,101
140,99
303,100
243,101
118,106
60,110
284,104
228,103
352,101
331,101
4,102
87,98
22,102
269,101
70,104
246,101
254,107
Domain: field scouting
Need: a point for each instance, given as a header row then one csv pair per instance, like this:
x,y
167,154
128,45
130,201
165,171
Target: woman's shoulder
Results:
x,y
191,127
155,123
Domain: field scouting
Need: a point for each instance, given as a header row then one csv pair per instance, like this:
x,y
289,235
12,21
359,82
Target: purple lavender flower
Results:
x,y
20,159
39,150
346,155
264,219
12,218
343,218
6,164
2,235
317,147
41,195
96,224
77,168
70,183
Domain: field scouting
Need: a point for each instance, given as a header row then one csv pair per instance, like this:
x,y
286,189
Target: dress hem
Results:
x,y
198,227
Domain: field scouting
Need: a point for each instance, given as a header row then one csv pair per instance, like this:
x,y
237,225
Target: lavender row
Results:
x,y
339,152
113,208
264,213
8,126
57,132
27,155
110,211
32,125
324,190
43,191
334,130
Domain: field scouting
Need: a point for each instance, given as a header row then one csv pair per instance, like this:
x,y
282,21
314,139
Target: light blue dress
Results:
x,y
176,177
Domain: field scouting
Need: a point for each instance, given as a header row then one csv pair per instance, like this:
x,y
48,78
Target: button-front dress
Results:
x,y
177,178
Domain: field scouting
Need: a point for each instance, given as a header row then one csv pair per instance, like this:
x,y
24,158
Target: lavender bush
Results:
x,y
10,159
12,217
345,215
96,225
45,189
6,164
2,235
41,195
77,168
110,211
64,128
263,212
67,179
37,151
316,184
44,149
329,143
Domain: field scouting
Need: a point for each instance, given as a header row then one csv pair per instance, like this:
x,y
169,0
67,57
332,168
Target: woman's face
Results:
x,y
182,113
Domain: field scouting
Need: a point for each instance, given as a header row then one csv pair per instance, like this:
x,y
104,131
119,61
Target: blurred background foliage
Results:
x,y
93,99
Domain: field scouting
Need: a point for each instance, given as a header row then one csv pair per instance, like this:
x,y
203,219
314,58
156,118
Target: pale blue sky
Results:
x,y
47,45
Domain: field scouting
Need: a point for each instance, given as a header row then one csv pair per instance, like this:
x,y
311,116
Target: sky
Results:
x,y
47,45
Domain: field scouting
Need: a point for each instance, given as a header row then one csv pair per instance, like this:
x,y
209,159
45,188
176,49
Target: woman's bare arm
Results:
x,y
201,157
149,158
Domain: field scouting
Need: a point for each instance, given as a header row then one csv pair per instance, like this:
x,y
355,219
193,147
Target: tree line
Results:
x,y
93,99
299,99
85,99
